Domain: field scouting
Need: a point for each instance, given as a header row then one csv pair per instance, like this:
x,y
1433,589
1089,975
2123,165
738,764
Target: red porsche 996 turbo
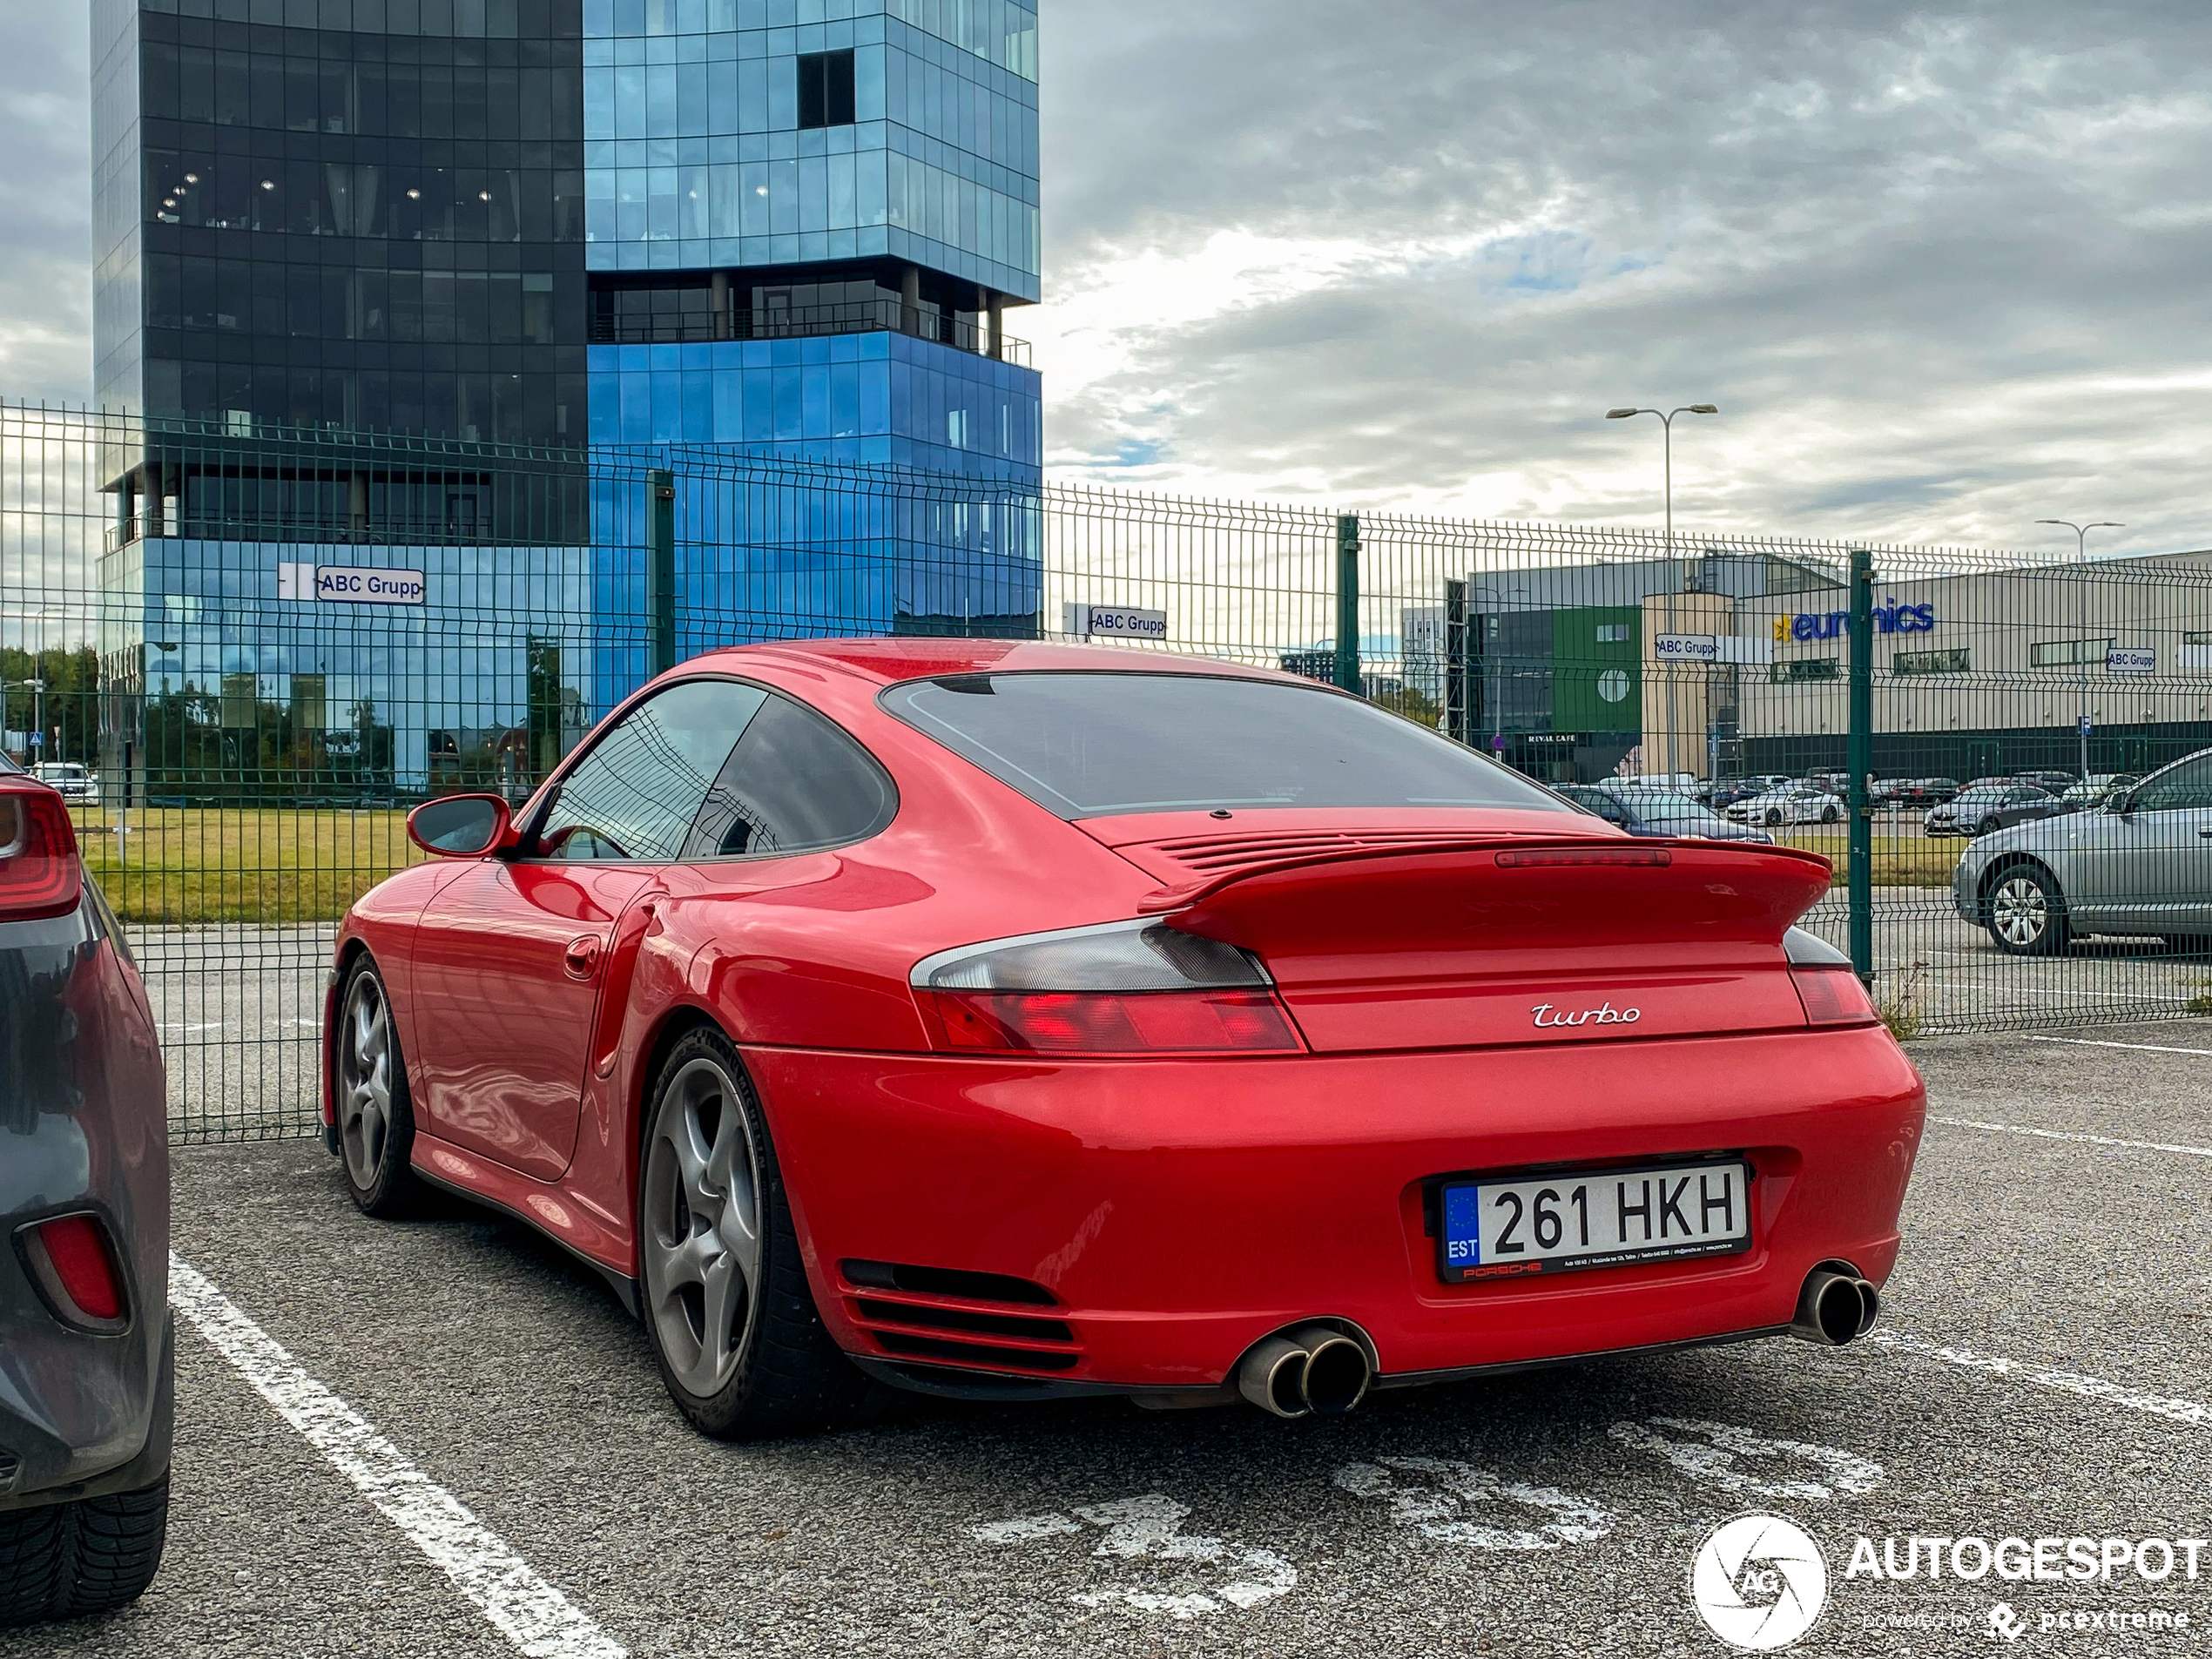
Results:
x,y
1011,1020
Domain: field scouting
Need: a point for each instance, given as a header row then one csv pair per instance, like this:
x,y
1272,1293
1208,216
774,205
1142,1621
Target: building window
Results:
x,y
1808,668
1612,633
2197,639
826,89
1959,661
2065,653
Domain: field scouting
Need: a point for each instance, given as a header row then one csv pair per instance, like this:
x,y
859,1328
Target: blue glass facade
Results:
x,y
602,230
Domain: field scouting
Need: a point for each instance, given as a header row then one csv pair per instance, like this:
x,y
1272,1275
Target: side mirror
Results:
x,y
461,827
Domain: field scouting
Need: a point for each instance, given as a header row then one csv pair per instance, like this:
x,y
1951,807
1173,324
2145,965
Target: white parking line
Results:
x,y
2146,1048
2072,1134
535,1617
2196,1414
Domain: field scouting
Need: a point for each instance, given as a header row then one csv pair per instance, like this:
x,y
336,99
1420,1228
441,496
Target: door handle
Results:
x,y
581,957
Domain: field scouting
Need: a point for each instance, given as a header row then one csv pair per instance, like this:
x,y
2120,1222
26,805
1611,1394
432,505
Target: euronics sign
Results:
x,y
1890,619
1113,622
349,584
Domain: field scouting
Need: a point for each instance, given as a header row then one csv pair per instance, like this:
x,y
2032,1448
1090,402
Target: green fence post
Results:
x,y
660,567
1859,758
1348,602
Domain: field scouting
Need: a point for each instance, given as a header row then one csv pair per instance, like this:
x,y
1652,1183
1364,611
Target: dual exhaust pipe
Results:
x,y
1315,1371
1835,1308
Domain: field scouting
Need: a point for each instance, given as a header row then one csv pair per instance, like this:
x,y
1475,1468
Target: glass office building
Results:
x,y
768,230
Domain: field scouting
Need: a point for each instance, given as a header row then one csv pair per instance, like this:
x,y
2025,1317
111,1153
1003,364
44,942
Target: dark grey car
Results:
x,y
86,1343
1987,808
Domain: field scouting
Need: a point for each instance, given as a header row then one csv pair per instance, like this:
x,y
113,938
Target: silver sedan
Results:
x,y
2140,864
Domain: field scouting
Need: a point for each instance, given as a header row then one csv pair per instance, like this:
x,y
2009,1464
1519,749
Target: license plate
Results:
x,y
1506,1226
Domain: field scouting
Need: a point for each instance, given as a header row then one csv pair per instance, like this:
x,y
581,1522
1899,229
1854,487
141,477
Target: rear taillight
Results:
x,y
1555,858
72,1261
40,872
1127,987
1827,988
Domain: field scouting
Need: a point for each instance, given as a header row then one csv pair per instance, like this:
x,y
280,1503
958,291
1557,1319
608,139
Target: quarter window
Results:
x,y
794,784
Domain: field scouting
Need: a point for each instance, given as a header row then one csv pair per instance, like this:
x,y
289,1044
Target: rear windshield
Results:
x,y
1091,745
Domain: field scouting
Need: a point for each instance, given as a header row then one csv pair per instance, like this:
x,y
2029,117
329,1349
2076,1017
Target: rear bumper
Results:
x,y
1178,1212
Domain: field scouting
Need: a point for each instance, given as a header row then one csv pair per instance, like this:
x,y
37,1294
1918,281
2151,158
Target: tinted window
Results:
x,y
1089,745
638,790
2180,788
793,783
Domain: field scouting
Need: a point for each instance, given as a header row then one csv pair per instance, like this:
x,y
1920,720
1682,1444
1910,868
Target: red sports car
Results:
x,y
1009,1021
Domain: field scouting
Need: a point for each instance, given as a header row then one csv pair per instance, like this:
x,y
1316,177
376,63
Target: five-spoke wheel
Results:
x,y
376,1127
700,1236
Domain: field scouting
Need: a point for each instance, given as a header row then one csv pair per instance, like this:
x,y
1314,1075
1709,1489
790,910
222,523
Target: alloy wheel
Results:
x,y
365,1079
702,1227
2020,910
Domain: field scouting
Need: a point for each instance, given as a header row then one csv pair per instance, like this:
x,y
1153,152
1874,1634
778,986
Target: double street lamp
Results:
x,y
1667,420
2082,549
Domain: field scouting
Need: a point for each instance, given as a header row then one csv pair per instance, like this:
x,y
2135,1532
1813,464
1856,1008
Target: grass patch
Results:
x,y
1899,861
182,865
1901,1010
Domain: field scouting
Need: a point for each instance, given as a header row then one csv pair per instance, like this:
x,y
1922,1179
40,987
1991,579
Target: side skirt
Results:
x,y
622,1285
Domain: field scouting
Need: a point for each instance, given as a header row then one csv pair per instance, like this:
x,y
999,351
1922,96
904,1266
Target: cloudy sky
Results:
x,y
1943,270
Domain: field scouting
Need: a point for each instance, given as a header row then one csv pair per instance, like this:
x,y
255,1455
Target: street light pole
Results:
x,y
2081,551
1667,421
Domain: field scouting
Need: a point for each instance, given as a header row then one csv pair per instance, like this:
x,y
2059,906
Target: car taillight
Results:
x,y
40,872
1123,988
1828,990
73,1263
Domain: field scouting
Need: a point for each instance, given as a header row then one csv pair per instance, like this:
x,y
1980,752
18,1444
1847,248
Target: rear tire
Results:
x,y
727,1306
2027,912
375,1117
64,1560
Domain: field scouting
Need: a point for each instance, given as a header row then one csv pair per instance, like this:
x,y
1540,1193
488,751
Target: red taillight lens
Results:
x,y
1833,996
79,1275
1071,1022
40,874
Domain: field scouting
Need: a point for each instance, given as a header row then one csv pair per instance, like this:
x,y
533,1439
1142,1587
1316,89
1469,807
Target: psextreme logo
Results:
x,y
1890,618
1758,1582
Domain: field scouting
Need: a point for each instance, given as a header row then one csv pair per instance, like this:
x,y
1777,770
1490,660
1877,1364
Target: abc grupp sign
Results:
x,y
350,584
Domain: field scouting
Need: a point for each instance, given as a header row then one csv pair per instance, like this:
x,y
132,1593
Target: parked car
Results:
x,y
735,1011
86,1346
1728,793
1928,792
1789,803
2094,791
2140,865
69,780
1987,808
1659,812
2056,782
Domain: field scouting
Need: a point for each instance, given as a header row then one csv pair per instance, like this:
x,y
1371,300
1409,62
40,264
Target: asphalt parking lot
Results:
x,y
456,1429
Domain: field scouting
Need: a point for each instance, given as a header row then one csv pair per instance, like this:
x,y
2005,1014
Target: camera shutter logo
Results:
x,y
1759,1582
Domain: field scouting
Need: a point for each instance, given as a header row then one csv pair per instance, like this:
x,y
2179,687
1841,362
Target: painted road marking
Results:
x,y
1150,1527
540,1621
2196,1414
1442,1511
2073,1134
2143,1048
1718,1461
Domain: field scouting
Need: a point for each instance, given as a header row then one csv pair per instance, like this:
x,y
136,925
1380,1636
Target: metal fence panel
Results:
x,y
261,645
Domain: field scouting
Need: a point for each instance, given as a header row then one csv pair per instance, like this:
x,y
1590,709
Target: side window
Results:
x,y
794,783
2182,788
637,792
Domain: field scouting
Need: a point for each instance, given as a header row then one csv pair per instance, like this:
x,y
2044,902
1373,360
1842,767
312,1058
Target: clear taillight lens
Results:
x,y
40,874
1828,990
1124,989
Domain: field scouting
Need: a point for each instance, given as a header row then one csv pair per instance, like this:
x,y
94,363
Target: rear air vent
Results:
x,y
946,1318
949,1317
975,1354
946,1281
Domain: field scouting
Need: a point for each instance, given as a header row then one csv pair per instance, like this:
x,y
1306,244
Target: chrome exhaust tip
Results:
x,y
1273,1376
1835,1308
1313,1371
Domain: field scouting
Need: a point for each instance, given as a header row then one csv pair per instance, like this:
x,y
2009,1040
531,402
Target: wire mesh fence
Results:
x,y
244,652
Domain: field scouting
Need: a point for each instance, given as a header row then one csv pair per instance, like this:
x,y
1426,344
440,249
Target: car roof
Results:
x,y
889,661
7,764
